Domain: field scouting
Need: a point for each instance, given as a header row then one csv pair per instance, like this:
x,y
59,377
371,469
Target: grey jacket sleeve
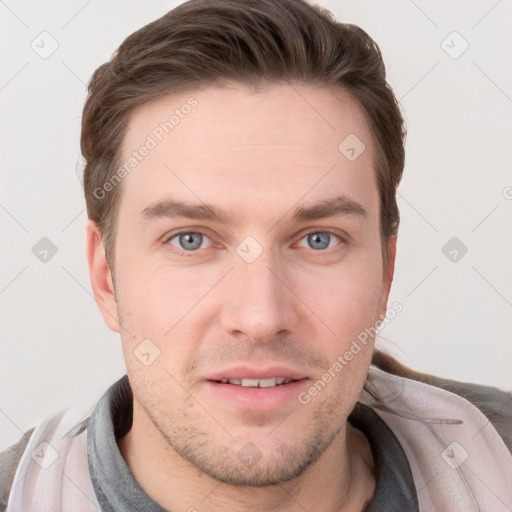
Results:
x,y
9,460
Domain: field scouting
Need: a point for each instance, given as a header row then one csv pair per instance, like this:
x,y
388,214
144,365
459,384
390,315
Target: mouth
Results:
x,y
257,383
252,390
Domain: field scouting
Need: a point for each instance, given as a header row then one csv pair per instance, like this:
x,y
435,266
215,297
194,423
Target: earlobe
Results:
x,y
101,278
387,276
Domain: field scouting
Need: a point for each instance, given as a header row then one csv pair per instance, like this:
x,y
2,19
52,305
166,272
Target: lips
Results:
x,y
257,377
257,383
263,387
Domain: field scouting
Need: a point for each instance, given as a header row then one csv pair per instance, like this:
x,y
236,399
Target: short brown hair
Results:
x,y
253,42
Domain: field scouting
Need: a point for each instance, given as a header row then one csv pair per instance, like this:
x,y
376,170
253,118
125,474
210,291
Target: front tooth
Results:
x,y
250,383
235,381
279,380
268,383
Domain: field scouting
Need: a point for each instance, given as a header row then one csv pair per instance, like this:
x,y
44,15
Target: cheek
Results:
x,y
155,294
349,307
346,301
163,304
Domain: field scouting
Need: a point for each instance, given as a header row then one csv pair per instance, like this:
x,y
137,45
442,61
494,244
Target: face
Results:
x,y
248,261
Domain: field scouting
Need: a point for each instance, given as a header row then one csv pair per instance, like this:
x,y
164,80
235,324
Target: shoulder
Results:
x,y
9,460
57,427
494,403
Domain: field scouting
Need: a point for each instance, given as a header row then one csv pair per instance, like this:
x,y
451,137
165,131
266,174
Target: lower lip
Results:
x,y
257,399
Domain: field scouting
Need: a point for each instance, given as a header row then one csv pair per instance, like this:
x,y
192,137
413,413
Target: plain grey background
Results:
x,y
449,64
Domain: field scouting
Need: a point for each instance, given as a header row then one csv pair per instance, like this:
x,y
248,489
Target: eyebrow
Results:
x,y
171,208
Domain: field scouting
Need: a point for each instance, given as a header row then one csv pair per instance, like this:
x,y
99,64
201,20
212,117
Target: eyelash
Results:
x,y
198,231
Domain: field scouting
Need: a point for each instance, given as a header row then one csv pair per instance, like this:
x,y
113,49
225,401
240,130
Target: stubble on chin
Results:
x,y
204,444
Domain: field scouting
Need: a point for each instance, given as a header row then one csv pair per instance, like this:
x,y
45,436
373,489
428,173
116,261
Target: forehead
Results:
x,y
223,144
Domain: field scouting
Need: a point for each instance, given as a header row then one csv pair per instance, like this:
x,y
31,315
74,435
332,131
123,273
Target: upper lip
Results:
x,y
248,372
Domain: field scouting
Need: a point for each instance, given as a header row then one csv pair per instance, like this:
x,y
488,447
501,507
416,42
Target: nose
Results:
x,y
259,303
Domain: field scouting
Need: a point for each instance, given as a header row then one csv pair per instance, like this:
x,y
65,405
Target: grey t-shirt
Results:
x,y
117,490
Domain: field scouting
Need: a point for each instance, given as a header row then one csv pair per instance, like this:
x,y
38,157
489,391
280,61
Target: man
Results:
x,y
242,160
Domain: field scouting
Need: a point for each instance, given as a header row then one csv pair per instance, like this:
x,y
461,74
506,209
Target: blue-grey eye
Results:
x,y
321,240
189,241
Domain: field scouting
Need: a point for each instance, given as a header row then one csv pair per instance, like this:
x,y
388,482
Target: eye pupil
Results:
x,y
319,240
187,241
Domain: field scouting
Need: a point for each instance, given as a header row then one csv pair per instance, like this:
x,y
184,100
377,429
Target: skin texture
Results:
x,y
258,155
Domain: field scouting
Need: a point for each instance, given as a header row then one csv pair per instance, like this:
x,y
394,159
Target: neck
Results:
x,y
341,480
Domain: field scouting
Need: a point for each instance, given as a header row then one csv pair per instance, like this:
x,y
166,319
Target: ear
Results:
x,y
387,276
101,278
